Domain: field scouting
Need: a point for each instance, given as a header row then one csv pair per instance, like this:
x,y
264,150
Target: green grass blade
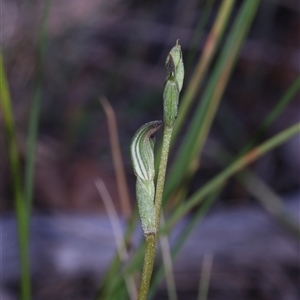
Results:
x,y
201,123
235,167
209,50
199,32
35,111
231,126
261,191
274,114
270,201
15,169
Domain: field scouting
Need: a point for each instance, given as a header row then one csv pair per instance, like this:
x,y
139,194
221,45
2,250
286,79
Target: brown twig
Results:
x,y
117,158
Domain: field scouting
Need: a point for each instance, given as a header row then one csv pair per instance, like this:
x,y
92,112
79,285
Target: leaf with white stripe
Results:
x,y
142,150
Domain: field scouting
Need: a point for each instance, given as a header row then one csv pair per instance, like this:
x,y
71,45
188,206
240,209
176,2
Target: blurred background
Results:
x,y
117,49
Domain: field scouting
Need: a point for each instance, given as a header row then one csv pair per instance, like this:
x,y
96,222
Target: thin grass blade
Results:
x,y
205,112
235,167
209,50
15,169
35,111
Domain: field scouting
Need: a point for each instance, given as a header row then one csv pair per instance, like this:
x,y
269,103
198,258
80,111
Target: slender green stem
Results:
x,y
15,169
162,173
173,85
35,112
151,241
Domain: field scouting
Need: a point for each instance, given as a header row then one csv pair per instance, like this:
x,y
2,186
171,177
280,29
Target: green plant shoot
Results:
x,y
142,156
173,85
149,198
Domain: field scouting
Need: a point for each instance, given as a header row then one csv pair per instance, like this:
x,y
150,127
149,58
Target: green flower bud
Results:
x,y
173,85
142,156
174,65
142,150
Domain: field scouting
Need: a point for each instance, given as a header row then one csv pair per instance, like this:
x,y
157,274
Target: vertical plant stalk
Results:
x,y
35,111
162,173
15,169
173,86
150,247
142,155
152,238
23,198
